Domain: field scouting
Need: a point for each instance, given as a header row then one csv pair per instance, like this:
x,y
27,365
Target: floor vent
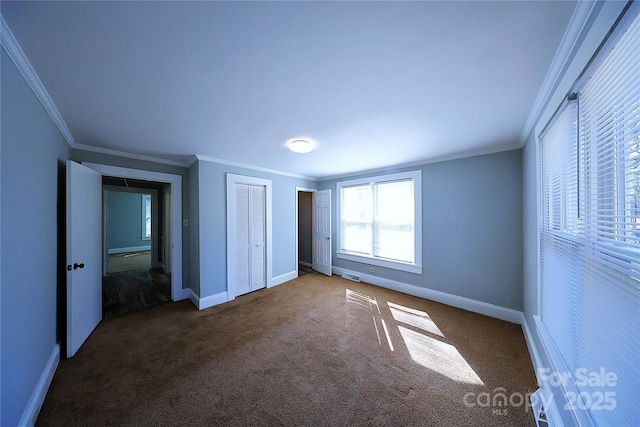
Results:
x,y
539,413
351,277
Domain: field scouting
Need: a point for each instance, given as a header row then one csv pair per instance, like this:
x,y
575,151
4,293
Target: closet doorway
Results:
x,y
314,247
248,234
304,230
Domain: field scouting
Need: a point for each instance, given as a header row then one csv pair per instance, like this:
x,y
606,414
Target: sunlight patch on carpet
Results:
x,y
416,318
438,356
386,332
371,303
361,299
375,325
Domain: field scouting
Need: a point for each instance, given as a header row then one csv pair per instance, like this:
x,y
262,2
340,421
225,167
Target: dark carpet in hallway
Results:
x,y
131,291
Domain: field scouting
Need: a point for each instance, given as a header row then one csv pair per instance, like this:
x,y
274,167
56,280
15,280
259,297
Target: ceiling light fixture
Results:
x,y
300,146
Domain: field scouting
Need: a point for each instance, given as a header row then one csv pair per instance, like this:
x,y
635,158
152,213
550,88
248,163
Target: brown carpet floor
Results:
x,y
315,351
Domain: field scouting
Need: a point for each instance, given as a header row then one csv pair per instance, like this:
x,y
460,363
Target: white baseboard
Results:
x,y
283,278
37,398
212,300
533,350
544,394
206,302
491,310
185,294
195,299
130,249
306,264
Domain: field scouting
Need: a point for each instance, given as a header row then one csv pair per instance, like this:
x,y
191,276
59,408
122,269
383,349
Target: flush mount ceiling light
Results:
x,y
300,146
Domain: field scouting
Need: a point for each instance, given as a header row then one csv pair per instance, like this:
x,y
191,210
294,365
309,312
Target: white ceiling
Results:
x,y
373,84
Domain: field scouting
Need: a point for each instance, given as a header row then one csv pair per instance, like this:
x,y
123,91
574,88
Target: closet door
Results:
x,y
250,238
258,229
243,285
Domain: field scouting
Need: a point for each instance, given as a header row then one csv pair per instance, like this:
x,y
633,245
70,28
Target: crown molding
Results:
x,y
15,52
457,156
109,151
13,49
562,58
246,166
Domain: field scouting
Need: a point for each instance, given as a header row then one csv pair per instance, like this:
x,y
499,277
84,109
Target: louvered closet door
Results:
x,y
257,215
250,238
242,239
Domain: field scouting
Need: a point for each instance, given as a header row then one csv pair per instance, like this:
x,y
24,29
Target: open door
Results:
x,y
321,234
84,254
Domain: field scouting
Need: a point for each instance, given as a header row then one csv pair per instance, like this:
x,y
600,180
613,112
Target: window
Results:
x,y
590,230
560,180
380,221
146,216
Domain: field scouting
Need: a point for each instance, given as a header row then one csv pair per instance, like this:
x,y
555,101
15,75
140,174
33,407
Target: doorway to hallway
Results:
x,y
313,231
135,218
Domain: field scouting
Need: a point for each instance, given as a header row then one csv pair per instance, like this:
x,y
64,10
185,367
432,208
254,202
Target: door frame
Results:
x,y
298,191
166,229
175,181
232,180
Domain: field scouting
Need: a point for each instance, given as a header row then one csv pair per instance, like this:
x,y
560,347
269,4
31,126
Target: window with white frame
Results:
x,y
380,221
146,216
561,171
590,233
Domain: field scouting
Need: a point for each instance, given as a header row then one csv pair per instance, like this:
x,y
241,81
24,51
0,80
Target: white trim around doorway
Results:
x,y
175,181
232,180
298,191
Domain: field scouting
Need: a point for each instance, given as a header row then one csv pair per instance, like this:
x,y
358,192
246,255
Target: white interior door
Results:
x,y
321,234
243,246
258,229
84,254
250,238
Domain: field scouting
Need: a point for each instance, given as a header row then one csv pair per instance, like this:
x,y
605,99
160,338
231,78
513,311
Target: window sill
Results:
x,y
145,238
396,265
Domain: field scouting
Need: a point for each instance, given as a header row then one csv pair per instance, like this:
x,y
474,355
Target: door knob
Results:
x,y
76,265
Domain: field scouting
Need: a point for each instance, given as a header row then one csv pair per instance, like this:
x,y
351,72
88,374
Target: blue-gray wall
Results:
x,y
471,229
194,229
124,224
212,211
33,153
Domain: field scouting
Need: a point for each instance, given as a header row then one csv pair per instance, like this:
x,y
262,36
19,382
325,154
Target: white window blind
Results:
x,y
380,220
394,220
356,219
590,232
560,252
